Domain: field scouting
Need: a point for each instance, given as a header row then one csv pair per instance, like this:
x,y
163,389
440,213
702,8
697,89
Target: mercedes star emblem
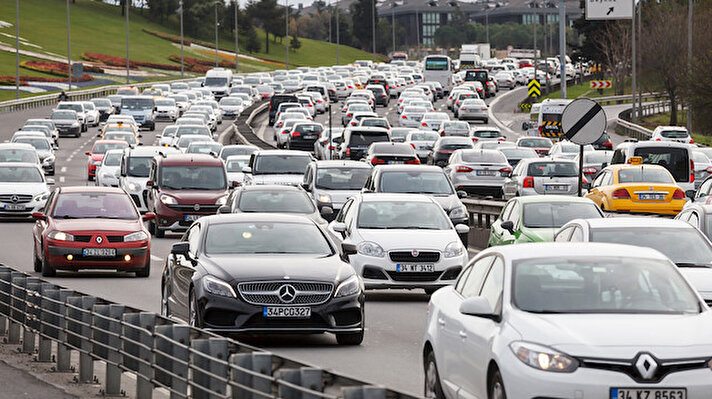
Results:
x,y
414,253
646,366
287,293
99,239
196,207
15,199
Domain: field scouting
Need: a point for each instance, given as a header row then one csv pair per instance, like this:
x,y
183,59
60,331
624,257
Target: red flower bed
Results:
x,y
197,65
55,68
6,80
109,60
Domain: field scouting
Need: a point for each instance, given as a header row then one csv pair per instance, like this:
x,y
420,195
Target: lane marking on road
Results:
x,y
63,169
61,179
156,258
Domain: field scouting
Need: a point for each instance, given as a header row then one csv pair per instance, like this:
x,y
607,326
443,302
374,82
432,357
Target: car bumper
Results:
x,y
57,257
382,272
29,207
665,208
471,115
409,124
337,315
69,131
168,219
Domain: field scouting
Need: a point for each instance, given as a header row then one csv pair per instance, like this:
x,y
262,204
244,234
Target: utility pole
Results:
x,y
633,116
487,22
373,29
536,25
331,16
181,37
337,32
69,50
689,60
17,49
393,25
562,47
237,45
286,29
128,7
417,30
217,62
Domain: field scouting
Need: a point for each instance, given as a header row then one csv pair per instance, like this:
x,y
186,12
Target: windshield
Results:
x,y
675,160
203,148
291,201
265,238
129,138
402,215
643,175
89,106
456,126
168,103
374,122
101,148
230,101
415,182
241,150
236,165
94,205
479,156
75,107
119,129
138,166
18,155
101,103
600,285
112,159
196,130
215,82
281,164
518,153
341,178
487,134
193,178
424,136
531,143
557,214
137,103
39,144
64,115
674,134
552,169
20,174
366,138
681,245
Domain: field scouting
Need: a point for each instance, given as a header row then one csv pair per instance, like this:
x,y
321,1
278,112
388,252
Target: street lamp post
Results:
x,y
286,30
216,34
17,49
417,30
337,33
689,59
393,25
487,23
181,37
562,47
128,4
237,45
373,30
69,50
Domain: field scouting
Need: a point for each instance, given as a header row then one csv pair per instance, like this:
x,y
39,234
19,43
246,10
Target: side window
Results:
x,y
704,188
473,282
515,214
618,156
599,180
494,284
48,205
349,217
518,169
577,235
309,175
507,209
608,180
694,219
463,278
194,238
563,235
342,213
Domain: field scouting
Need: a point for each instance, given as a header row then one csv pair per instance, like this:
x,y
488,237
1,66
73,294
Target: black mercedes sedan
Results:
x,y
262,273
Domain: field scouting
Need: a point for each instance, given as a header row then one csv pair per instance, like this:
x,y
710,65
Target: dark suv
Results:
x,y
182,188
358,139
380,93
274,102
304,135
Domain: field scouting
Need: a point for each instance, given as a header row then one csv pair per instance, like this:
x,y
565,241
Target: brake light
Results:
x,y
348,151
351,87
457,102
692,171
709,169
475,139
590,171
404,117
424,124
692,141
296,134
607,144
483,109
414,161
506,169
463,169
413,145
540,129
383,96
621,193
678,194
349,114
375,161
528,182
501,139
658,139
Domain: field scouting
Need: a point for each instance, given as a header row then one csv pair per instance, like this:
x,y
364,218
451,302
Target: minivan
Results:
x,y
675,157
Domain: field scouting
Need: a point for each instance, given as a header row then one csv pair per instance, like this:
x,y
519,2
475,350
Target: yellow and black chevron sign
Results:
x,y
551,123
534,88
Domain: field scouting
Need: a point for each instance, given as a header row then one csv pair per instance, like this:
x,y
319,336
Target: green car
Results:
x,y
536,218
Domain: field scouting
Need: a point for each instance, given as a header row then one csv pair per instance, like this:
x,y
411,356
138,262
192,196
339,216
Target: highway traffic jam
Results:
x,y
361,182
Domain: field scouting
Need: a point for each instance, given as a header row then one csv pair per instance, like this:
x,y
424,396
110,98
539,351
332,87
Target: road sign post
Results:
x,y
583,122
534,88
601,84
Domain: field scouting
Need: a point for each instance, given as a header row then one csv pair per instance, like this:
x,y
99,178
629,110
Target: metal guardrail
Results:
x,y
483,212
188,362
51,99
628,128
626,98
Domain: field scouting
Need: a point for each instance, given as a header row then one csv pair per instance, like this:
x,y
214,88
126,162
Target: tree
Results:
x,y
295,44
362,11
446,37
698,84
614,44
267,13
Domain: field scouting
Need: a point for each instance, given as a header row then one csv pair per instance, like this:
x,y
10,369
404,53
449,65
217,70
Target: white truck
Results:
x,y
219,81
469,57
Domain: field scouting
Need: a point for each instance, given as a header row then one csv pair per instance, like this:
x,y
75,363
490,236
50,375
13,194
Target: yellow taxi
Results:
x,y
637,188
127,91
152,91
118,127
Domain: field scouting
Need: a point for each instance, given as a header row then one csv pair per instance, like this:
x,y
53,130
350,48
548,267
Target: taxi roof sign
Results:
x,y
635,160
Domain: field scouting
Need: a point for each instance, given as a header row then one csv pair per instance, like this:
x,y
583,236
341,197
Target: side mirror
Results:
x,y
224,209
461,194
98,135
509,226
347,250
305,186
140,135
235,184
180,248
50,182
462,229
55,147
691,194
478,306
148,216
326,211
149,184
339,227
247,169
39,216
87,153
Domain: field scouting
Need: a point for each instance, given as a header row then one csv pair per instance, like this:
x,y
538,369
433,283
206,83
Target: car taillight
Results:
x,y
383,96
540,129
506,170
590,171
351,87
692,171
349,114
678,194
375,161
404,117
483,109
692,141
621,193
424,124
528,182
607,144
353,123
709,169
457,102
475,139
413,145
348,151
501,139
296,134
463,169
414,161
658,139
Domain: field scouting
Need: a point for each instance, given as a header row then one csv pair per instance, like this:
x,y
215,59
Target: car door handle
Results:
x,y
441,321
462,334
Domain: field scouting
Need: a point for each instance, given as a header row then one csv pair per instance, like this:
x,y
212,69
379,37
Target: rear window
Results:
x,y
531,143
674,134
483,156
487,134
675,160
275,201
388,148
643,175
366,138
597,157
552,169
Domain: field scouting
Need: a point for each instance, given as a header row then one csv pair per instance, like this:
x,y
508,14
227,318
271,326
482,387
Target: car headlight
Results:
x,y
370,248
96,163
325,198
75,124
134,187
48,160
60,236
453,249
221,201
350,286
137,236
459,212
218,287
41,197
543,358
168,200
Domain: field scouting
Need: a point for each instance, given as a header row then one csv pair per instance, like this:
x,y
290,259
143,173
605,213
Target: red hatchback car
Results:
x,y
91,228
96,155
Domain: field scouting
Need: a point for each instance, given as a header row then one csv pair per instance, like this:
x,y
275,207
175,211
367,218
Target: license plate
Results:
x,y
648,393
414,268
651,197
14,207
284,311
395,162
485,173
192,218
549,187
100,252
309,137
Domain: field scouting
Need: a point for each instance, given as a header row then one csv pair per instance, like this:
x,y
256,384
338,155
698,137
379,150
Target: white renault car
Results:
x,y
108,172
549,320
23,189
400,241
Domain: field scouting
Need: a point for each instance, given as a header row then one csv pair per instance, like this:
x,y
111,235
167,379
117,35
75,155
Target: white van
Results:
x,y
675,157
549,119
219,81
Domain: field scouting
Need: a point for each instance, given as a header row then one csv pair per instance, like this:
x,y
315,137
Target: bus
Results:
x,y
438,68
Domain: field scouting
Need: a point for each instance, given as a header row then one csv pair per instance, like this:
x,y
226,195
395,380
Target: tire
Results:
x,y
47,270
160,233
496,387
153,127
430,290
36,261
146,271
165,311
350,338
432,388
195,319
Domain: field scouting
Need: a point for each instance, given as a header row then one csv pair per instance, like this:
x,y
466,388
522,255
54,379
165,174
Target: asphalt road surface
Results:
x,y
395,320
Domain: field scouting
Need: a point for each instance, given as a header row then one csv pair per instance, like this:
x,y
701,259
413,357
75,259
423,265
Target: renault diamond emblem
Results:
x,y
99,239
287,293
415,253
652,188
196,207
15,199
646,366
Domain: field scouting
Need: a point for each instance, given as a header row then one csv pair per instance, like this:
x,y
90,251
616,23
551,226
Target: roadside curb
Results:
x,y
494,118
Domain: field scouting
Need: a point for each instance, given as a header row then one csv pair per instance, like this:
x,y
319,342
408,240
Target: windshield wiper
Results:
x,y
691,264
417,228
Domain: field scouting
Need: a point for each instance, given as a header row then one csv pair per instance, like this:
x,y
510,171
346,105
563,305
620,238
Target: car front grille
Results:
x,y
19,198
268,292
414,277
191,208
420,257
